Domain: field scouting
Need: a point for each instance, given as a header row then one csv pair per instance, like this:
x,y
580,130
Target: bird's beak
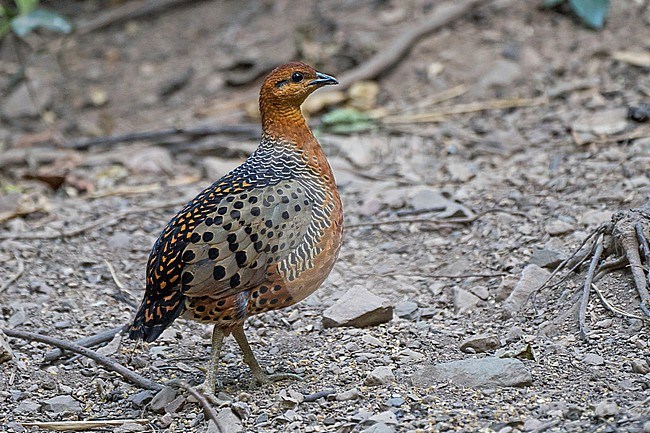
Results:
x,y
323,80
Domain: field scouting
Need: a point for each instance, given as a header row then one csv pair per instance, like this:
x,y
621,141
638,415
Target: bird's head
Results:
x,y
290,84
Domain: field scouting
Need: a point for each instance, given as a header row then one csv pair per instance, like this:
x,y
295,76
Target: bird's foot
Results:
x,y
262,378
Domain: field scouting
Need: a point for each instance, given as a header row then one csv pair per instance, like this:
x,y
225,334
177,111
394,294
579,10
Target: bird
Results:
x,y
263,237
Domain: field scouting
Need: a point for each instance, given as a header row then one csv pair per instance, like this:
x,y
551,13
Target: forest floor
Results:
x,y
539,178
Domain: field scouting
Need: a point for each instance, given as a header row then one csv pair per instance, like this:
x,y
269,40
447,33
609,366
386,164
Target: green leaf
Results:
x,y
591,12
26,6
25,24
547,4
346,121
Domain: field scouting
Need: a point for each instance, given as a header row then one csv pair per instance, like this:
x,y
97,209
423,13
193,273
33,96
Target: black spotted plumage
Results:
x,y
188,258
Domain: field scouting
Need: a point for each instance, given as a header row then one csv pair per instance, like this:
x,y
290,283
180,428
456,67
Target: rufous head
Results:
x,y
291,83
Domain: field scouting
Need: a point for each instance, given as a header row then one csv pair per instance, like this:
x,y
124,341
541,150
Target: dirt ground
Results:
x,y
554,170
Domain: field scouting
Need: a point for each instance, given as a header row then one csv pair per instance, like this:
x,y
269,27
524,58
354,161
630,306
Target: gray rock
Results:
x,y
351,394
175,405
395,401
379,428
640,366
604,122
464,301
150,159
460,172
27,407
241,409
61,404
485,372
358,308
227,422
141,398
532,278
593,359
5,350
130,427
429,199
119,241
20,103
162,399
500,73
386,417
289,399
546,258
646,427
606,408
380,376
175,83
532,424
480,343
406,309
558,227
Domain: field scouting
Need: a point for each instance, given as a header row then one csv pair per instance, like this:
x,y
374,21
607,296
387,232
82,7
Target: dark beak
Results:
x,y
323,80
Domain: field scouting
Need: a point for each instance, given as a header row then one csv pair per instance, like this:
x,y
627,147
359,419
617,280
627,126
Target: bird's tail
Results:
x,y
154,315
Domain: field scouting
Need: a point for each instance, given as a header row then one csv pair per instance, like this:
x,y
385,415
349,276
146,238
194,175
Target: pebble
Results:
x,y
141,398
358,308
20,103
379,428
593,359
372,340
5,350
386,417
640,366
546,258
406,309
532,424
289,399
429,199
119,241
175,405
487,372
464,301
380,376
480,343
162,399
532,278
603,122
558,227
227,422
241,409
395,401
61,404
351,394
27,406
500,73
606,408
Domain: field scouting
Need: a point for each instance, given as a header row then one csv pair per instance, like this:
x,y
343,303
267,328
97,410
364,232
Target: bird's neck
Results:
x,y
286,123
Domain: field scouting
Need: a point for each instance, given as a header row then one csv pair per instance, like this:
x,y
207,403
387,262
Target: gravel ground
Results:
x,y
538,178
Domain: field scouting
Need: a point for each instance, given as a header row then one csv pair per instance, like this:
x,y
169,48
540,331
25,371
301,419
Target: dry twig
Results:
x,y
584,300
90,341
83,425
105,361
208,410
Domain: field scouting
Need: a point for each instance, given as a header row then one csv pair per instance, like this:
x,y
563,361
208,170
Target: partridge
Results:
x,y
263,237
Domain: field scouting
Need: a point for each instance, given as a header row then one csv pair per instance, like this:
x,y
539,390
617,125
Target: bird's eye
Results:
x,y
297,77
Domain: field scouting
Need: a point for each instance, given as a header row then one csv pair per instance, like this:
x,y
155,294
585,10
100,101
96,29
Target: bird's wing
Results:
x,y
232,249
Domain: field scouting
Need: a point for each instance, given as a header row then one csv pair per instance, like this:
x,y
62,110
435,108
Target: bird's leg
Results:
x,y
208,385
249,358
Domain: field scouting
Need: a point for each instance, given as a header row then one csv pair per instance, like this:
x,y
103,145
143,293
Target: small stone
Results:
x,y
379,428
227,422
464,301
358,308
532,278
395,401
406,309
499,73
130,427
162,398
241,409
27,407
61,404
428,199
480,343
289,399
141,398
487,372
460,172
646,427
546,258
5,350
604,122
370,207
558,227
606,408
176,83
351,394
371,340
640,366
532,424
386,417
593,359
20,103
175,405
380,376
119,241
